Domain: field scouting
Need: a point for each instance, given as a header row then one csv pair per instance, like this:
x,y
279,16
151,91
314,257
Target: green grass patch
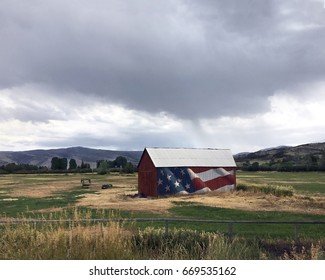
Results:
x,y
200,212
312,182
17,206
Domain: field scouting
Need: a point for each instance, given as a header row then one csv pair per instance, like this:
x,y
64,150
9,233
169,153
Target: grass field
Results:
x,y
61,196
309,182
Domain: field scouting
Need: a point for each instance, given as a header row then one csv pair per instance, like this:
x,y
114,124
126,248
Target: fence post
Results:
x,y
230,231
166,229
102,230
296,232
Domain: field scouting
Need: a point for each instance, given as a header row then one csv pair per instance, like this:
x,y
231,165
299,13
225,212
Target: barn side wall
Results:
x,y
220,182
147,176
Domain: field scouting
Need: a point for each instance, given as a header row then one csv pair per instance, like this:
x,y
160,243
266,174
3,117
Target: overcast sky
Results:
x,y
112,74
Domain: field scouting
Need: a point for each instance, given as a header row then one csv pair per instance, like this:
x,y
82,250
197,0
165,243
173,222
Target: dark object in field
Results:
x,y
85,182
107,186
137,195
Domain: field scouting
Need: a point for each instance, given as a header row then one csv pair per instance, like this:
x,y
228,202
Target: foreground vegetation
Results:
x,y
113,241
77,240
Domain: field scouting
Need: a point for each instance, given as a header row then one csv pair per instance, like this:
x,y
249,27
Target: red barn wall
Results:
x,y
147,176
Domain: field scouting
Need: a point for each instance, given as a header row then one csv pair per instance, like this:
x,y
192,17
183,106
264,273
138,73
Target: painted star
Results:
x,y
187,186
176,184
167,188
169,177
160,182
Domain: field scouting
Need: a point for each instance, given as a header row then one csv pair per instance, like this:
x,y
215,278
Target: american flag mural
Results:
x,y
183,180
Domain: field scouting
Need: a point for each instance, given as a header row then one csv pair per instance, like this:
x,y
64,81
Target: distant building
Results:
x,y
165,171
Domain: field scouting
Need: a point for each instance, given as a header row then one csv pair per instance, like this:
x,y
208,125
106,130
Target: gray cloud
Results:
x,y
192,59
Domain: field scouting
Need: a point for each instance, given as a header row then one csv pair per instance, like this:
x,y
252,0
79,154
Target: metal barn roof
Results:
x,y
174,157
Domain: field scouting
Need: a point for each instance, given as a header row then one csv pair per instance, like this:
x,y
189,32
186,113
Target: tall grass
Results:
x,y
27,241
310,182
76,239
276,190
191,244
113,241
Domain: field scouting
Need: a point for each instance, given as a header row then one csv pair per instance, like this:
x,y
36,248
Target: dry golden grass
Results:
x,y
249,201
33,186
39,191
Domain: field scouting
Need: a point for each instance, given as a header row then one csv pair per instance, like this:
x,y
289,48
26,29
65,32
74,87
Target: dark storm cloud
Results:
x,y
190,58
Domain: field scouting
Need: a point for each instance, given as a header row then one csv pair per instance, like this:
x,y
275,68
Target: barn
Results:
x,y
165,171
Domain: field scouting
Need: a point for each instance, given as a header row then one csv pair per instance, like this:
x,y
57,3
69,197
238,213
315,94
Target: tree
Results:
x,y
72,164
59,163
254,166
11,167
129,168
103,168
321,163
311,162
84,165
55,163
120,161
63,164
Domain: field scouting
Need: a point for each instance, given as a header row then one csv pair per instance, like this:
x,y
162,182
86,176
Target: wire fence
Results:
x,y
168,221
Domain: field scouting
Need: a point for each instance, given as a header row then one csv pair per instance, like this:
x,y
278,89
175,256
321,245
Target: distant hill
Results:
x,y
43,157
282,154
302,155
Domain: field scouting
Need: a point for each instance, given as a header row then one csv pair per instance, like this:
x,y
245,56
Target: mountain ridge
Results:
x,y
283,153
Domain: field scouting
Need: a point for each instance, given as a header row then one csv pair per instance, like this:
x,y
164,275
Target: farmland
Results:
x,y
61,196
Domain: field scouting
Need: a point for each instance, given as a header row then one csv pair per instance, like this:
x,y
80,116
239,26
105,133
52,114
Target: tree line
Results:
x,y
287,164
60,165
119,164
22,168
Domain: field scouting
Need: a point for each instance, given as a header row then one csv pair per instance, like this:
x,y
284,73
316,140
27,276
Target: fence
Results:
x,y
168,221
